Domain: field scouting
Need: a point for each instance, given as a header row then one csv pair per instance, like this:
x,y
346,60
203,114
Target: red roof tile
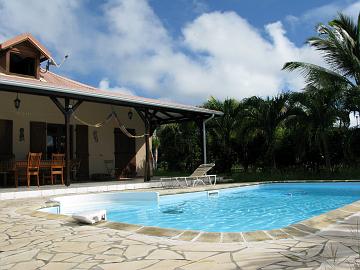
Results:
x,y
52,80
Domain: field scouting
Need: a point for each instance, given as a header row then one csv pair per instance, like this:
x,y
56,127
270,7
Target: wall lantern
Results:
x,y
21,135
130,114
95,136
17,102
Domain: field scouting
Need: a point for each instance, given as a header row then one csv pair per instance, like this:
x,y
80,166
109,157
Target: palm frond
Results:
x,y
346,23
313,73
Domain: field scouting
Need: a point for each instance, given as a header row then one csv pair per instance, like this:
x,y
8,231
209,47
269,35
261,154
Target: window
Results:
x,y
21,64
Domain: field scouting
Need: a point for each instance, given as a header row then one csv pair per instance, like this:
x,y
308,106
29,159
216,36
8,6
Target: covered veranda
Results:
x,y
68,100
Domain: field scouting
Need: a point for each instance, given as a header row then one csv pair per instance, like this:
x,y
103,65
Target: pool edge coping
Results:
x,y
301,229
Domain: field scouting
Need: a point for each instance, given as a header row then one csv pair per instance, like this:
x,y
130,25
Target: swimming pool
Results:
x,y
258,207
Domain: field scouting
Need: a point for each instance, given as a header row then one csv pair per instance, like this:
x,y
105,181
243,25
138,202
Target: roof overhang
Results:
x,y
158,111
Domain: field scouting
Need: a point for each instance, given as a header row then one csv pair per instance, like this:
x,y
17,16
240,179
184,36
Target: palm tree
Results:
x,y
339,43
222,131
265,116
333,91
319,110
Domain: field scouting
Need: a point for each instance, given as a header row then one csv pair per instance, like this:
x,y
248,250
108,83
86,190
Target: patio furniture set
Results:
x,y
34,167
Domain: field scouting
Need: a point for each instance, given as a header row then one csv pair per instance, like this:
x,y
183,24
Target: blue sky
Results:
x,y
175,14
179,50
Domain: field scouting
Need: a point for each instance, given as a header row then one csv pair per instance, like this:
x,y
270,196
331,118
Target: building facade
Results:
x,y
41,111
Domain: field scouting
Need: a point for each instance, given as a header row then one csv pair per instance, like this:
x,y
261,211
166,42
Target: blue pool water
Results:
x,y
260,207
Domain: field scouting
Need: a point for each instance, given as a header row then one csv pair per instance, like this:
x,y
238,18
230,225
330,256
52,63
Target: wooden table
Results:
x,y
22,165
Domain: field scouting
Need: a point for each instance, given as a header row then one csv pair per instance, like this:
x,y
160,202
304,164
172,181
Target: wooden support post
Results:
x,y
67,115
147,173
67,110
204,142
200,125
148,132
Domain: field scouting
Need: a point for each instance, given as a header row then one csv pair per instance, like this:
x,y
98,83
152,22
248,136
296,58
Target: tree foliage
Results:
x,y
308,129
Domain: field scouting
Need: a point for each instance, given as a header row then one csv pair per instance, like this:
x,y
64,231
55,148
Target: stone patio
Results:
x,y
34,240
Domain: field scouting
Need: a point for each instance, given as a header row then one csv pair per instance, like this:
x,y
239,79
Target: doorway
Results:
x,y
125,154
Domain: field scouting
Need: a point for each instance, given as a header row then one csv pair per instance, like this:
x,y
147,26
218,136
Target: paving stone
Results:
x,y
97,250
20,257
168,265
188,235
162,254
232,237
294,232
155,231
138,251
58,266
256,236
209,237
109,258
115,251
128,265
42,241
70,247
278,234
198,255
121,226
221,258
208,265
45,256
31,265
88,265
62,257
78,258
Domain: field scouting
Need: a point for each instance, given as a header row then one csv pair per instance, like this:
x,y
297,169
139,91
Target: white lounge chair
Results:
x,y
198,176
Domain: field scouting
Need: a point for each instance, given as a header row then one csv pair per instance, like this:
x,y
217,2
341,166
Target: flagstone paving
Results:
x,y
41,241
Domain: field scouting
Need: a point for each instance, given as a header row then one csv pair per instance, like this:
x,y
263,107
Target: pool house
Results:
x,y
99,133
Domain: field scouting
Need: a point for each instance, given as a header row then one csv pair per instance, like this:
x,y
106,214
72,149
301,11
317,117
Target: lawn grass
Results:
x,y
283,175
164,173
278,175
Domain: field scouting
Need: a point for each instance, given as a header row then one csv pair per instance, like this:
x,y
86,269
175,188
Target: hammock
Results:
x,y
114,116
97,125
124,130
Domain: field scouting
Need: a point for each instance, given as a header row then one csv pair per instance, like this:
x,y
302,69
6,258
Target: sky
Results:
x,y
177,50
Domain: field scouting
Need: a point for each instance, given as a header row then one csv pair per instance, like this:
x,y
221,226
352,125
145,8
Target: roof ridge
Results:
x,y
116,93
73,81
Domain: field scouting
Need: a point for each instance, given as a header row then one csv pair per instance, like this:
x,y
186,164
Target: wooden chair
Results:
x,y
57,167
33,167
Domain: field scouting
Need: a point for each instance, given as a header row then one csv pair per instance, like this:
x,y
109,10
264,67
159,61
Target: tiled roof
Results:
x,y
26,37
54,84
49,80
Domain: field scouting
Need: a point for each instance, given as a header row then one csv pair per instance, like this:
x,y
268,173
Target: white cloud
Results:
x,y
218,54
200,6
353,9
324,13
104,84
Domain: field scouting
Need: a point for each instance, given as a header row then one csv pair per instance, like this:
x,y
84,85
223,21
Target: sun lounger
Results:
x,y
199,176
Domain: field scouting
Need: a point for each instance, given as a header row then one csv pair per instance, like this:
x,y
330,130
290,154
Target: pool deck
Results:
x,y
30,239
